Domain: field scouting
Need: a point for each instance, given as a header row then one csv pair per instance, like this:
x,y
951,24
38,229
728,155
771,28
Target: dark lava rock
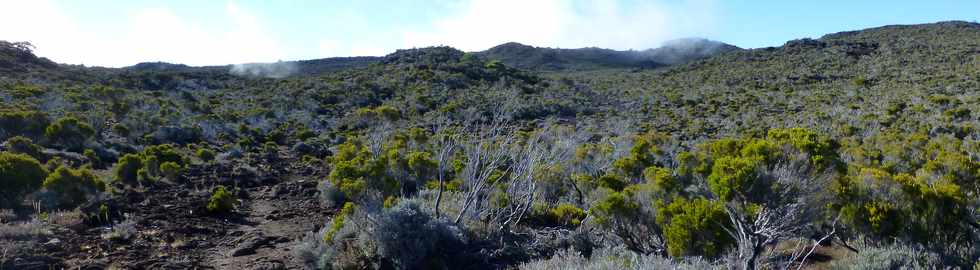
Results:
x,y
249,243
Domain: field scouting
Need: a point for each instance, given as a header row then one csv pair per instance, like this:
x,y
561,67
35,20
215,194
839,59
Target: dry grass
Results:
x,y
66,218
615,258
122,231
23,230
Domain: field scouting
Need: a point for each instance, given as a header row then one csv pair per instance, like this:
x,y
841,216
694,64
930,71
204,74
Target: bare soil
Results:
x,y
277,206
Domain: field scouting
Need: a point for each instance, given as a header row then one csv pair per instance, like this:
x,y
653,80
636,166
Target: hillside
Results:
x,y
549,59
856,149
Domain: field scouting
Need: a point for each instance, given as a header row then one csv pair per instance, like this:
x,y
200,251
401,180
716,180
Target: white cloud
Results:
x,y
148,34
480,24
41,23
234,34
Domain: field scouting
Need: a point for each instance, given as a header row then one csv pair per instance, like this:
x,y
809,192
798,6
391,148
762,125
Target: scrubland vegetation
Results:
x,y
858,150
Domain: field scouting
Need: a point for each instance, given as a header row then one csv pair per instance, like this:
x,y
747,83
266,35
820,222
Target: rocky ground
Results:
x,y
171,229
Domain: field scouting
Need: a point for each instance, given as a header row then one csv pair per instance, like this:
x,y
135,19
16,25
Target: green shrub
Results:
x,y
92,157
205,154
20,174
819,147
26,90
355,169
171,170
860,81
612,181
154,156
567,214
121,129
143,175
731,176
661,179
613,207
25,123
338,221
69,132
23,145
421,163
453,185
127,169
694,227
72,187
221,201
302,133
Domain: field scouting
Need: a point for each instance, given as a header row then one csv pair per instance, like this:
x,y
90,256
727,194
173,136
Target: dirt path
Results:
x,y
170,228
279,216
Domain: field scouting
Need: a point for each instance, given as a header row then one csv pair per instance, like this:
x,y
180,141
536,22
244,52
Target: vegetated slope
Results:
x,y
550,59
840,81
881,122
684,50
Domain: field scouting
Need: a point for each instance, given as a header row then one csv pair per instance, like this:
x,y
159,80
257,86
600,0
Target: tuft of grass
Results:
x,y
121,232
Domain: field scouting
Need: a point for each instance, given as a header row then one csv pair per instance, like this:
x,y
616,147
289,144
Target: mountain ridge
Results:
x,y
672,52
513,54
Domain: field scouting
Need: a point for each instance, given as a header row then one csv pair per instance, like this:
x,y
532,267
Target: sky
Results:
x,y
116,33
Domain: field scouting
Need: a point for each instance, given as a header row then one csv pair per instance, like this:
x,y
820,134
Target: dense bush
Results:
x,y
566,214
694,228
19,175
127,169
30,124
22,145
71,187
149,164
408,238
403,237
69,132
355,169
156,155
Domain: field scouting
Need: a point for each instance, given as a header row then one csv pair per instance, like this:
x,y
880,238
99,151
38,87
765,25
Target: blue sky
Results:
x,y
120,33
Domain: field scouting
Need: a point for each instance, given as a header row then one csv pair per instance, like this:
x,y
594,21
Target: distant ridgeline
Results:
x,y
512,54
549,59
